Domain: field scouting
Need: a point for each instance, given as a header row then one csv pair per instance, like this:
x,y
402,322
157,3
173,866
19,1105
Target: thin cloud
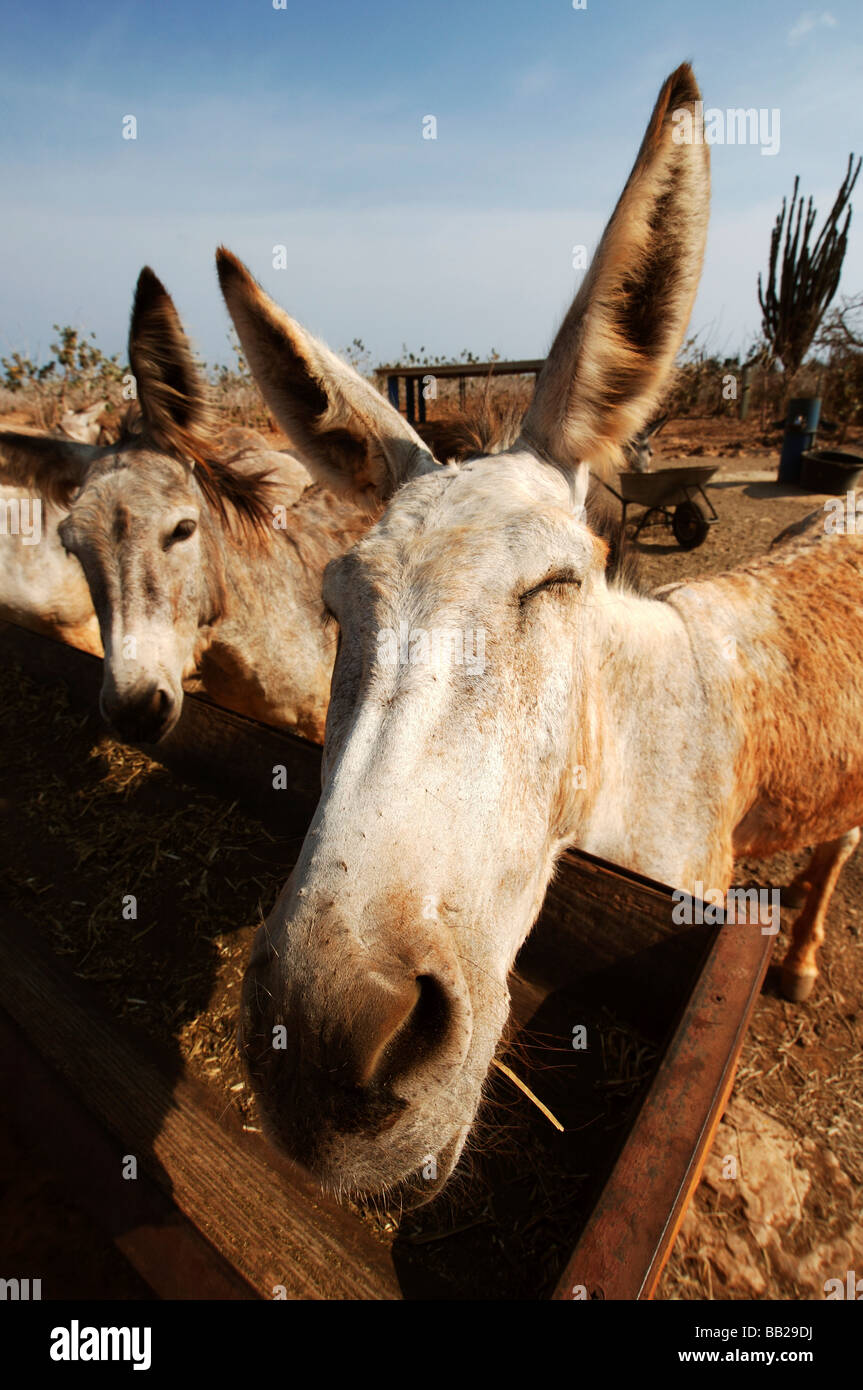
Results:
x,y
809,21
537,80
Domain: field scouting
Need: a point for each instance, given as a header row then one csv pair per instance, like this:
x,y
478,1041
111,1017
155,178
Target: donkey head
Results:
x,y
377,990
638,452
142,521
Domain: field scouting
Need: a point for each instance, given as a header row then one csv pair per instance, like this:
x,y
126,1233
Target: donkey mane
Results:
x,y
488,429
242,501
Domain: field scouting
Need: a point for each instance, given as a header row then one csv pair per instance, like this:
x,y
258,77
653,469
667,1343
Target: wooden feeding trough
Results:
x,y
215,1213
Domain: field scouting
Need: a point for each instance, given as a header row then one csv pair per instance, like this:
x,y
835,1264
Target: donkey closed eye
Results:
x,y
181,532
553,584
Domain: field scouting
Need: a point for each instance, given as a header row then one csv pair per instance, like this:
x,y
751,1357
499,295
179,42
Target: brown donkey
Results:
x,y
669,734
203,550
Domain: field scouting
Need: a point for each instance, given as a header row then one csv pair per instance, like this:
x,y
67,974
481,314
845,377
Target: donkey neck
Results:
x,y
270,655
279,571
655,739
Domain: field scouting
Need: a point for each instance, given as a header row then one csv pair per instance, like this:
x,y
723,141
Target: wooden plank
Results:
x,y
611,930
267,1220
166,1249
526,367
604,897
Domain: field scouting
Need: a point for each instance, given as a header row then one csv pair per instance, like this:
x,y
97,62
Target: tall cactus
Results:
x,y
809,276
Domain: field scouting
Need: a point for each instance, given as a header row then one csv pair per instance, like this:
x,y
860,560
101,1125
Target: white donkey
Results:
x,y
41,587
670,735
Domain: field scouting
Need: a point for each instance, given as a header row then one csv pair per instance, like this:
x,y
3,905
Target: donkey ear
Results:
x,y
53,467
655,425
616,346
171,390
343,429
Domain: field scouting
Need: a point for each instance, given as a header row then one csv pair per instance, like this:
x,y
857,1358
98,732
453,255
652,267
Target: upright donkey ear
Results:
x,y
171,390
52,466
343,429
614,350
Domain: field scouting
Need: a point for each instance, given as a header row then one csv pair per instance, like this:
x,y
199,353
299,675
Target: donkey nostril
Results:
x,y
141,714
418,1034
431,1015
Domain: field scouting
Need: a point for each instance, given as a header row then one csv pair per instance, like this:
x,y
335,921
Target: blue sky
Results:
x,y
303,127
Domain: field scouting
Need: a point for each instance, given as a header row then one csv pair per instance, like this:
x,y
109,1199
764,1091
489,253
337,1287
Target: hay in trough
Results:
x,y
89,824
151,889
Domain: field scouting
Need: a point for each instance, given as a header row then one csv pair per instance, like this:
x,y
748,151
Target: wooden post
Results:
x,y
410,410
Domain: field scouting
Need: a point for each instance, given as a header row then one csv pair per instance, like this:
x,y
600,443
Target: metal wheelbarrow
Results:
x,y
669,497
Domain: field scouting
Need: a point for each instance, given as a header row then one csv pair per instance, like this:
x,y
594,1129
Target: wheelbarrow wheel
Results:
x,y
690,525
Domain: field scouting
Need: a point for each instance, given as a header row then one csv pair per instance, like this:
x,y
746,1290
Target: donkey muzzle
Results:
x,y
142,714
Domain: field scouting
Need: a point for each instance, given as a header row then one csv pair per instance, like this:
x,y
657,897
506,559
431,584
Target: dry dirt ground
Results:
x,y
709,436
778,1209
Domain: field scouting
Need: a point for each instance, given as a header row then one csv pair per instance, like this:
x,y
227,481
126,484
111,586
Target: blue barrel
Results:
x,y
801,422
